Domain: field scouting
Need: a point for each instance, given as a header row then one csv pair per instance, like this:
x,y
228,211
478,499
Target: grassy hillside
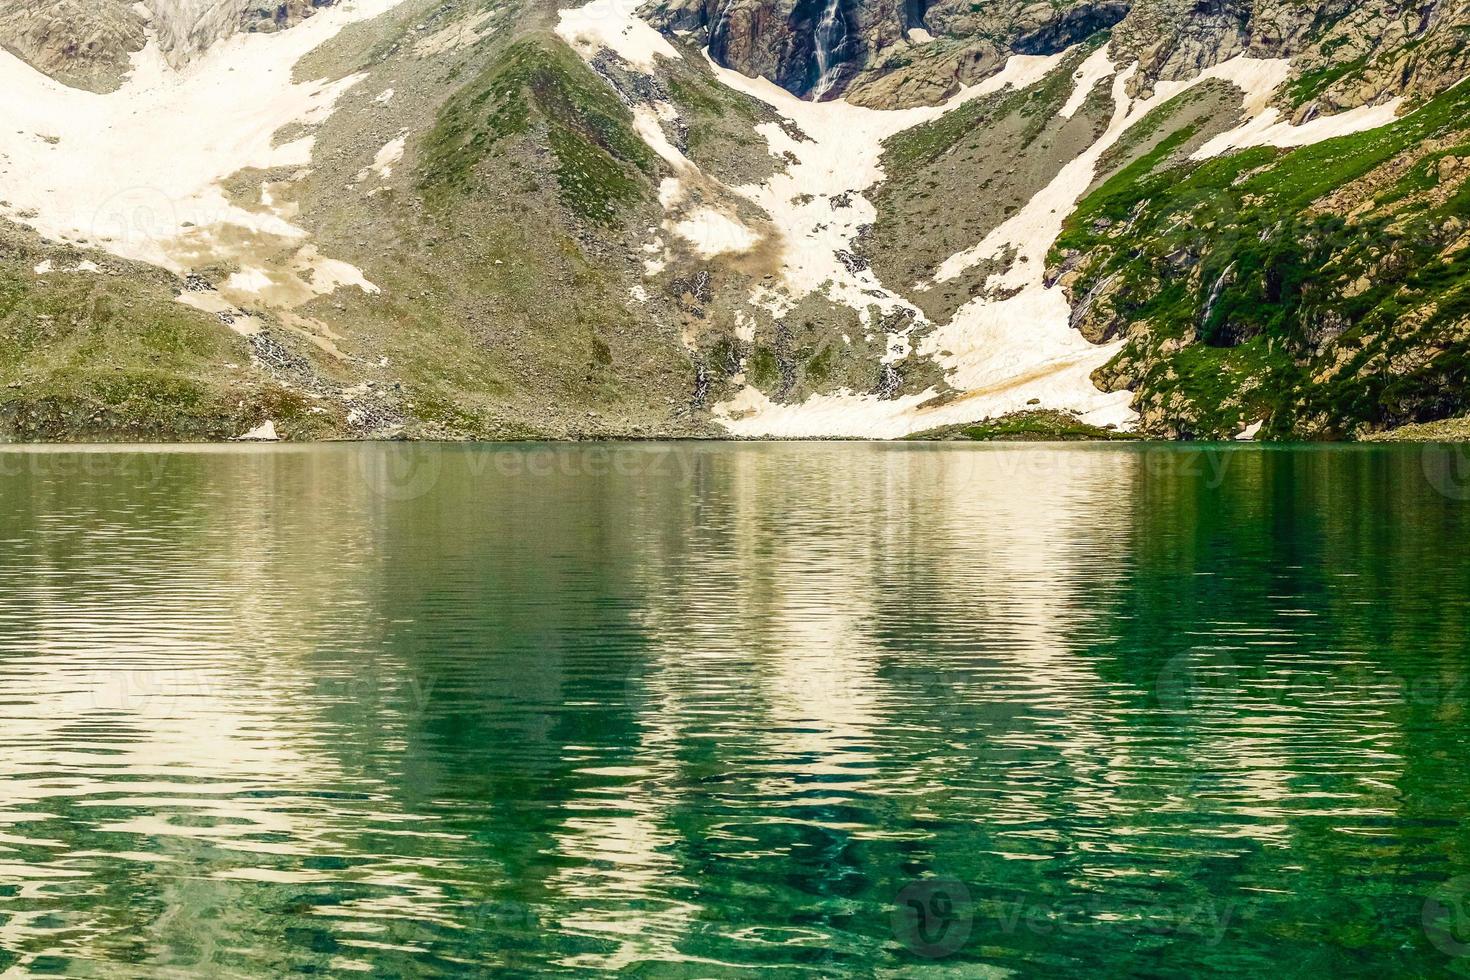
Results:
x,y
108,355
540,87
1324,289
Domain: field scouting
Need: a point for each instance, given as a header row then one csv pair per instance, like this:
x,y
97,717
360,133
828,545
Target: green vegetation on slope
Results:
x,y
719,123
1312,84
1037,105
95,356
1251,291
539,87
1041,425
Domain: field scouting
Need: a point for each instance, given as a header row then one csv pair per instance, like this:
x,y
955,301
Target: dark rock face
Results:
x,y
815,48
85,43
187,28
1384,47
791,42
1071,26
862,48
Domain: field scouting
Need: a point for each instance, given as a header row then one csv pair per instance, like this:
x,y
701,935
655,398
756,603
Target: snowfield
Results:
x,y
138,172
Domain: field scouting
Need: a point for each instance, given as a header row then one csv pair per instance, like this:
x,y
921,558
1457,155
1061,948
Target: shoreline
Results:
x,y
1140,442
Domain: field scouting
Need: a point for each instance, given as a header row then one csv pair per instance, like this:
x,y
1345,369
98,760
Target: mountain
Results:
x,y
466,219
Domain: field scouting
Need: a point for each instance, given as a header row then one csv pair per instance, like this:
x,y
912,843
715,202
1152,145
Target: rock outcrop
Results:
x,y
1348,52
930,48
795,43
84,43
188,27
906,52
89,44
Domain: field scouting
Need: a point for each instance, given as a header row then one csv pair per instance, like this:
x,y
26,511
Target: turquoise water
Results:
x,y
688,710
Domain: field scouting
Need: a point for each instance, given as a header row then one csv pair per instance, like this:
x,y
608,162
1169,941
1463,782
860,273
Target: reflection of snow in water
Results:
x,y
618,863
165,711
830,652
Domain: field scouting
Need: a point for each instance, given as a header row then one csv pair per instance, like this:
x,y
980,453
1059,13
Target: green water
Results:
x,y
724,710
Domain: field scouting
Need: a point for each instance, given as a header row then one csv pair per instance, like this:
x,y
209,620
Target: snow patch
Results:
x,y
1031,231
250,281
713,233
386,159
265,432
210,301
1002,355
1260,79
646,121
1257,78
139,172
86,265
815,205
1249,432
848,414
1269,129
614,25
744,326
816,202
917,35
660,261
709,230
1099,65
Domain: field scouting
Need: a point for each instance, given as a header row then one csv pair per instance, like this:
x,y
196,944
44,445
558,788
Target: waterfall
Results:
x,y
831,35
1220,284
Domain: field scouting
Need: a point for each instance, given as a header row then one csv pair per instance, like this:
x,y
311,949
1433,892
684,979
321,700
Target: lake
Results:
x,y
715,709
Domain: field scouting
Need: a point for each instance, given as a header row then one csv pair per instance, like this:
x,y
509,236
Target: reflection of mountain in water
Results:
x,y
710,703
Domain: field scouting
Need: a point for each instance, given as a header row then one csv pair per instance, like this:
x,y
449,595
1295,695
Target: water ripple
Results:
x,y
700,710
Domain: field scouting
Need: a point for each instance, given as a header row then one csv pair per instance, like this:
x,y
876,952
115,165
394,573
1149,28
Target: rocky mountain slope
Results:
x,y
490,219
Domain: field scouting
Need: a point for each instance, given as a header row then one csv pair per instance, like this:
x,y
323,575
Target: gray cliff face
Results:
x,y
84,43
89,43
186,28
1393,47
1379,48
